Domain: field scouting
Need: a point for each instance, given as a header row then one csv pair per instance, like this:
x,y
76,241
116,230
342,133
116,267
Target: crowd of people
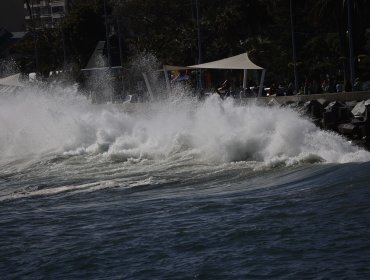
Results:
x,y
330,85
232,85
287,88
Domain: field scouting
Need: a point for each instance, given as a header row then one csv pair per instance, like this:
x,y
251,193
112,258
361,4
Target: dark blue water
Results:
x,y
302,222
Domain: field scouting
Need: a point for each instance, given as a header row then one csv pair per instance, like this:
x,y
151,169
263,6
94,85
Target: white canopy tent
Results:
x,y
241,62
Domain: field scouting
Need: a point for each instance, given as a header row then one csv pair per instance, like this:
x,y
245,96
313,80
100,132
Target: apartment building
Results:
x,y
45,13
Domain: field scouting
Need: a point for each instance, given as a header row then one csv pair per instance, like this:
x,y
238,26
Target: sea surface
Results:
x,y
180,189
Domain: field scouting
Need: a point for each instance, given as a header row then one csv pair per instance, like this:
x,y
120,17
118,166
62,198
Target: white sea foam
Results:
x,y
61,121
68,189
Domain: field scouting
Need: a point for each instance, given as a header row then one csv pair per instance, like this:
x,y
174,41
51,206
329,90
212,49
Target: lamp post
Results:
x,y
120,52
119,40
34,31
199,76
350,41
64,51
106,32
293,47
62,16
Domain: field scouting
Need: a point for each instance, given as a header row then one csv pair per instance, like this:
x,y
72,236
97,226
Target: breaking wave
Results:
x,y
60,121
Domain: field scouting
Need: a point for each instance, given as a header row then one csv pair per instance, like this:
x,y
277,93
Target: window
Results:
x,y
57,10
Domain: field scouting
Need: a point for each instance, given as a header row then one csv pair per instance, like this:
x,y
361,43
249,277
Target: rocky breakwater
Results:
x,y
345,113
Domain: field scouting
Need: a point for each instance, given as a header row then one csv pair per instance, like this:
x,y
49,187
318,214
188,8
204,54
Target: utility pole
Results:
x,y
293,47
350,41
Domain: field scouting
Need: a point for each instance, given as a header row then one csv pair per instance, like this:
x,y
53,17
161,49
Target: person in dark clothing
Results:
x,y
224,89
347,86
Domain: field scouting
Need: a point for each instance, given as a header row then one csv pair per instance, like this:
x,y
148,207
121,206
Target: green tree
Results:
x,y
83,28
329,16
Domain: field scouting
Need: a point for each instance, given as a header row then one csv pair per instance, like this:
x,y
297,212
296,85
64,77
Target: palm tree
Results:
x,y
339,14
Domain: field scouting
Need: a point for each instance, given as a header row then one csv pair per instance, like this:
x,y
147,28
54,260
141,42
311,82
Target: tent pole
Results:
x,y
261,83
167,81
245,77
148,86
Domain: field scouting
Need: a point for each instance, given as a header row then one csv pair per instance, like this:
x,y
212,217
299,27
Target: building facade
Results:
x,y
44,13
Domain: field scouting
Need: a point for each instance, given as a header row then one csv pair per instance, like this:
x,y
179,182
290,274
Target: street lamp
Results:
x,y
106,32
199,71
62,16
350,41
34,31
293,47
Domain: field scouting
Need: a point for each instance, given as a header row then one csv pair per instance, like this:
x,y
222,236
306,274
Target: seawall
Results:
x,y
342,97
346,113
